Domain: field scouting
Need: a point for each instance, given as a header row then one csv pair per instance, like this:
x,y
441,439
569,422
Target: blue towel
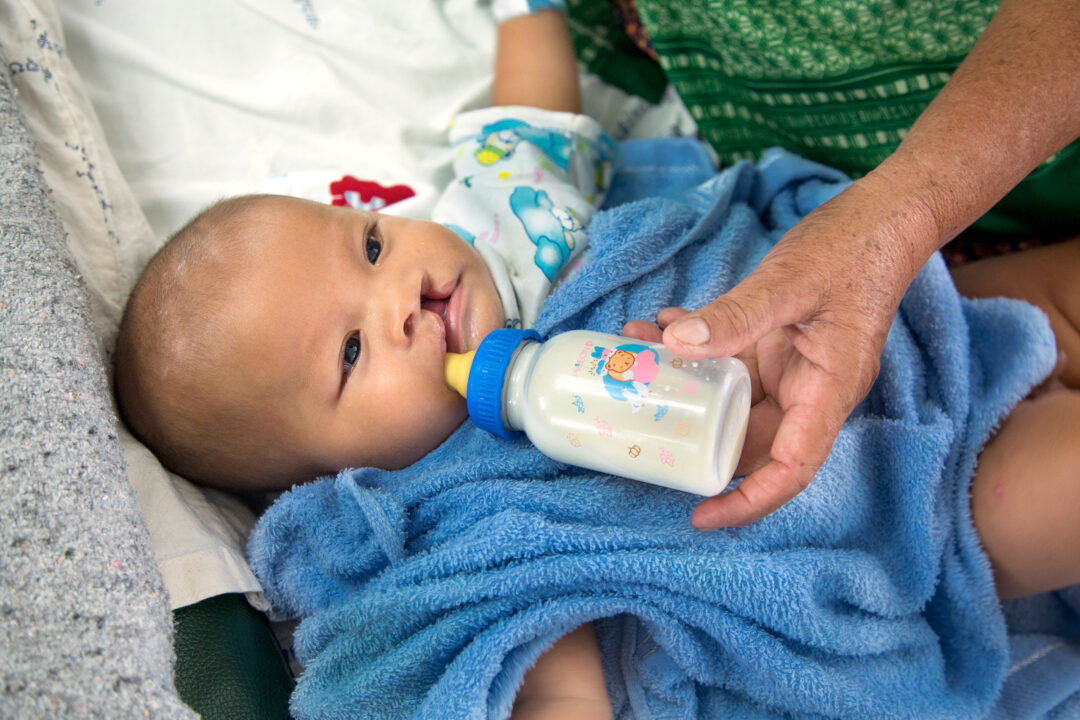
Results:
x,y
429,591
1043,679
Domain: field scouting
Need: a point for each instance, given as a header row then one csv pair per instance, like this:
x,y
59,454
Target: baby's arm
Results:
x,y
567,682
535,63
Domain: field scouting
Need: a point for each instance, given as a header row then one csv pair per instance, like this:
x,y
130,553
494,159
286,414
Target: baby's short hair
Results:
x,y
169,339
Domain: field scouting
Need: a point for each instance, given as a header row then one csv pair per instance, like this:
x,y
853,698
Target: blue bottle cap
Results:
x,y
487,376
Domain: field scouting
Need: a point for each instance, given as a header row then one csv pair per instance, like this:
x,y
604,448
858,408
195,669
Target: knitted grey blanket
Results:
x,y
85,627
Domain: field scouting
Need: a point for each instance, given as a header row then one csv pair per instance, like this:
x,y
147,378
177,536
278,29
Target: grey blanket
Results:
x,y
85,627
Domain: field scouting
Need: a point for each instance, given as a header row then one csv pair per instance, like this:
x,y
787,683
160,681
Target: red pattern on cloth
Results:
x,y
366,194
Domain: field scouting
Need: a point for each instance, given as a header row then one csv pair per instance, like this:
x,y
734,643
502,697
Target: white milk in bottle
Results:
x,y
610,403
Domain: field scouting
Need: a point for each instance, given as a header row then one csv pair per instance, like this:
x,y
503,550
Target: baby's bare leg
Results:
x,y
1026,492
567,682
1025,497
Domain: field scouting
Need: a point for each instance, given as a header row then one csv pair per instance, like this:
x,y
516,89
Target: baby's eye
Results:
x,y
373,247
351,353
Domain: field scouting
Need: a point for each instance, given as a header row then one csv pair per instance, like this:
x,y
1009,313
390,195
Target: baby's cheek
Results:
x,y
445,410
433,427
459,409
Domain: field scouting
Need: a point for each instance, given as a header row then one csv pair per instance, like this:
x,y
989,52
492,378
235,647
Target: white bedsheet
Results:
x,y
207,98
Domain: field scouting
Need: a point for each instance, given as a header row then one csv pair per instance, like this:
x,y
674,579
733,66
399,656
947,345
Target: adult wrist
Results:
x,y
922,212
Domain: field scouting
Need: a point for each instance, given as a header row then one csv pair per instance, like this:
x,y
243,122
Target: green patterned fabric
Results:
x,y
835,80
839,81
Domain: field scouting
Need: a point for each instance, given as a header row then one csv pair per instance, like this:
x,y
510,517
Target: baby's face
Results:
x,y
342,327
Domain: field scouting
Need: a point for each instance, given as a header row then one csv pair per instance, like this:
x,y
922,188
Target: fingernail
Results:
x,y
692,331
703,526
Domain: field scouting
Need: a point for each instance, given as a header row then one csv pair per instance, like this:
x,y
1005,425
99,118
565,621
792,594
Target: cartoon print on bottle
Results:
x,y
552,229
627,371
499,139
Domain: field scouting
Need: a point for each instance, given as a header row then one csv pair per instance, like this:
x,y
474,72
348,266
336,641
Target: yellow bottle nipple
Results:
x,y
457,370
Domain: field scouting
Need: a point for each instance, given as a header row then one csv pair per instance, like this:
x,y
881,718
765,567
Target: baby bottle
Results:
x,y
610,403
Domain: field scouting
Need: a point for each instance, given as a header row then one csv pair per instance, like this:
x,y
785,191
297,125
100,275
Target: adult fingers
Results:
x,y
766,300
669,315
765,417
760,493
643,330
801,445
652,332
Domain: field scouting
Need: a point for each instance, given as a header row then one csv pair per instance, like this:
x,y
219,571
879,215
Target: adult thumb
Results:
x,y
728,325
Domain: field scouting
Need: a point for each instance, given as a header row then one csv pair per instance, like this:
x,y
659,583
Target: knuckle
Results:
x,y
731,317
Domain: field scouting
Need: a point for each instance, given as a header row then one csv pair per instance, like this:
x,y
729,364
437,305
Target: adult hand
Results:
x,y
810,323
811,320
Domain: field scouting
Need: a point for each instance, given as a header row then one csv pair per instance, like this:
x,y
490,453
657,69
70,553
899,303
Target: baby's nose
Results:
x,y
402,320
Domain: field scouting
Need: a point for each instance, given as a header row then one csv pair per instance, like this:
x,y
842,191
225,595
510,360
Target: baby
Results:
x,y
273,339
262,337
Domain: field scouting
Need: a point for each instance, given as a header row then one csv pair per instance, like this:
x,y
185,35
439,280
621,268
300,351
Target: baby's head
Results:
x,y
273,339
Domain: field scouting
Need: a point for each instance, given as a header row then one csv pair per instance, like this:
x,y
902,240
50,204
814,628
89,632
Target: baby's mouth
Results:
x,y
440,301
435,305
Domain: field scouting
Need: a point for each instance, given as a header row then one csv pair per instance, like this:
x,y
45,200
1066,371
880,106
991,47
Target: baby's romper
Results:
x,y
527,182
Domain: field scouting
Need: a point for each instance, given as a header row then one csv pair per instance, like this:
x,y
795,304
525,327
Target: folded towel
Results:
x,y
428,592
